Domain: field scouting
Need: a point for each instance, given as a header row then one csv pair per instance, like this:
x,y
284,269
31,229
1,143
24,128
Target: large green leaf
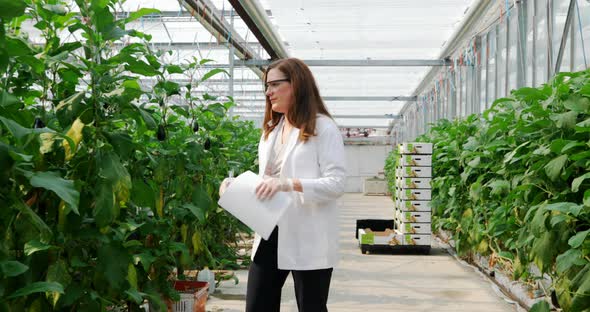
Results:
x,y
58,272
147,118
12,8
113,264
113,171
583,126
577,103
135,295
581,300
174,69
213,72
499,186
577,240
141,67
12,268
217,109
199,212
565,207
565,120
38,287
36,221
142,194
122,143
15,128
140,13
105,210
568,259
554,167
543,250
7,99
201,198
578,181
33,246
69,109
541,306
169,87
52,181
146,259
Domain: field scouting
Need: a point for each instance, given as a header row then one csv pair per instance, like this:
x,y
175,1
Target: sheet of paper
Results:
x,y
260,215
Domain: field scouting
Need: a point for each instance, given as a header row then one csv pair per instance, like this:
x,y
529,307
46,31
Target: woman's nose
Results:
x,y
268,92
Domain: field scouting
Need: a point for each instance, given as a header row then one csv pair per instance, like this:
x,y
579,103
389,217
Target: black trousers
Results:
x,y
265,282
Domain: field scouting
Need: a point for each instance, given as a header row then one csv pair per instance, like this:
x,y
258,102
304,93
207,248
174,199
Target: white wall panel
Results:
x,y
363,161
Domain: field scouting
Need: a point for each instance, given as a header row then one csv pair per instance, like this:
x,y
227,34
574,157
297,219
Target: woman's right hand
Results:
x,y
224,185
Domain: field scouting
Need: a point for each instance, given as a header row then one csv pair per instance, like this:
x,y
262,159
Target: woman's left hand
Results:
x,y
270,186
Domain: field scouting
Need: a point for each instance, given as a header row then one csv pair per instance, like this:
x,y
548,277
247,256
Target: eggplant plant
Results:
x,y
99,205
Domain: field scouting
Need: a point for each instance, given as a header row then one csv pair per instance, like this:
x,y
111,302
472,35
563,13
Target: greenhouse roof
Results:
x,y
323,31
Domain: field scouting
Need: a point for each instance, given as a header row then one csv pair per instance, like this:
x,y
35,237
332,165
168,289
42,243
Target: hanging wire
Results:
x,y
507,5
581,34
520,45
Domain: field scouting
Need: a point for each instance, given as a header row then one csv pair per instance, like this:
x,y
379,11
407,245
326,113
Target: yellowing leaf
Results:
x,y
47,140
197,243
75,133
132,275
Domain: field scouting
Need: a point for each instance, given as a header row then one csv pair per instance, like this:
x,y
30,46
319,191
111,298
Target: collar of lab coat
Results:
x,y
292,141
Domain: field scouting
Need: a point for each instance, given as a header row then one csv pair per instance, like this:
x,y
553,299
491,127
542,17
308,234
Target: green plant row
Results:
x,y
106,186
514,184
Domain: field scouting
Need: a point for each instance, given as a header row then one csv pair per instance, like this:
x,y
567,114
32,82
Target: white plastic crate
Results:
x,y
416,172
416,160
414,183
387,237
414,205
415,148
417,239
414,228
415,216
414,194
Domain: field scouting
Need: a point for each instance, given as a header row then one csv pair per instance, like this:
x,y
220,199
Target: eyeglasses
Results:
x,y
274,84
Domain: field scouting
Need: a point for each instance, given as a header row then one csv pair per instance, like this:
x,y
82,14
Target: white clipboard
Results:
x,y
261,216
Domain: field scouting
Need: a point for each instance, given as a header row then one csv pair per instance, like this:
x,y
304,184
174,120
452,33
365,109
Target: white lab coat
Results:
x,y
308,230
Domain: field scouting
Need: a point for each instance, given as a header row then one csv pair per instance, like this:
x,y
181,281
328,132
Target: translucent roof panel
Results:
x,y
361,30
377,29
367,81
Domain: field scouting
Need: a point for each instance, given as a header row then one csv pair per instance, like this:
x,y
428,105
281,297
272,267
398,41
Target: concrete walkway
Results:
x,y
436,282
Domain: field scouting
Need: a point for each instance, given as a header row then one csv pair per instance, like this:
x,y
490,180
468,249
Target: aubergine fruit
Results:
x,y
38,123
161,102
207,145
196,126
161,135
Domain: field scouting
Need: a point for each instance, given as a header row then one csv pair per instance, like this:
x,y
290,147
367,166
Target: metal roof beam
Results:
x,y
193,45
211,19
362,126
350,98
354,63
384,116
259,24
370,98
243,110
180,14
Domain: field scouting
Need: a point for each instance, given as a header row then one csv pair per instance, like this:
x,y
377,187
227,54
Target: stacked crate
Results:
x,y
413,193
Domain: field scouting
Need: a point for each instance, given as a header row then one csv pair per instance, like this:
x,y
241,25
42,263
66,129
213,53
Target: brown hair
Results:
x,y
308,103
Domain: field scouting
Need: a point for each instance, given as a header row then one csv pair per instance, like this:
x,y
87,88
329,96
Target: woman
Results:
x,y
300,152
